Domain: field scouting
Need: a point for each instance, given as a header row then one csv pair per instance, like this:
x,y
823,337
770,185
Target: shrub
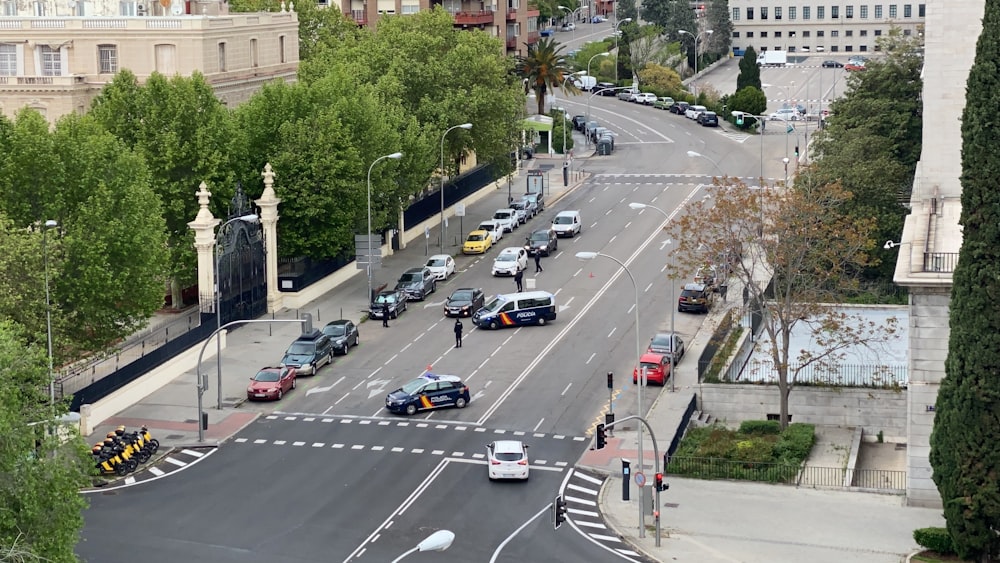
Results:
x,y
795,442
760,427
936,539
754,450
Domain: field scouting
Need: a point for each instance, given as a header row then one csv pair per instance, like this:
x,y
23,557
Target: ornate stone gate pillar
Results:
x,y
268,204
204,243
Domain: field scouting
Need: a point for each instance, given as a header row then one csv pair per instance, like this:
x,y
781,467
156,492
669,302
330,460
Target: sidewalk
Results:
x,y
171,412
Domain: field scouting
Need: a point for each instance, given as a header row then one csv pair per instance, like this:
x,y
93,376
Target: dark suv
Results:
x,y
605,88
679,107
308,353
579,121
417,283
695,297
542,241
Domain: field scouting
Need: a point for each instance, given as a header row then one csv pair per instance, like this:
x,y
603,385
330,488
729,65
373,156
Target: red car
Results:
x,y
657,368
854,66
271,383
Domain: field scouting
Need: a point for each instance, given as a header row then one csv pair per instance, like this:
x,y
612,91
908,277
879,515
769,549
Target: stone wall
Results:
x,y
874,410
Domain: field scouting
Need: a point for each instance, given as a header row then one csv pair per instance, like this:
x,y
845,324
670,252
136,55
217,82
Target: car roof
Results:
x,y
479,231
652,358
440,377
661,335
568,212
512,250
508,446
466,289
338,322
416,270
439,257
694,287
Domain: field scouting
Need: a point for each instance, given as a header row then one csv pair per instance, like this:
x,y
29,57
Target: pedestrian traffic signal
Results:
x,y
602,437
659,484
611,380
796,150
558,512
739,119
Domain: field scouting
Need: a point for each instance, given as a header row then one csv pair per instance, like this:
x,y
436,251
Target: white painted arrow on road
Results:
x,y
324,389
429,305
477,396
563,308
380,387
665,243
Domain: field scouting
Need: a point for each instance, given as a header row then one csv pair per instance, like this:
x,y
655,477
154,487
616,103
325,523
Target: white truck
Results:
x,y
584,82
772,58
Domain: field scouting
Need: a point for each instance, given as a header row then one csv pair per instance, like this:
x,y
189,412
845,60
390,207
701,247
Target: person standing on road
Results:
x,y
385,315
518,277
458,333
538,262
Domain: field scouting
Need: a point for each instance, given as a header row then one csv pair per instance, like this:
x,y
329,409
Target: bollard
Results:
x,y
626,475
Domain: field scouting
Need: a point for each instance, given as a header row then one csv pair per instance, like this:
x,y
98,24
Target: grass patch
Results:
x,y
757,451
722,355
929,556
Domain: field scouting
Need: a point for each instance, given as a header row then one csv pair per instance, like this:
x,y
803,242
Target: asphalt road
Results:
x,y
344,480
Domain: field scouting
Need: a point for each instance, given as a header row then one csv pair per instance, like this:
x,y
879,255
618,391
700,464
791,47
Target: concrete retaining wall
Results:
x,y
874,410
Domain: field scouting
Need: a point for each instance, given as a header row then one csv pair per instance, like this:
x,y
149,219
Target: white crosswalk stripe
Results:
x,y
581,494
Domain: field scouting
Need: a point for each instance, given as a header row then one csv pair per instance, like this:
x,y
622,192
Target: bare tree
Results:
x,y
799,240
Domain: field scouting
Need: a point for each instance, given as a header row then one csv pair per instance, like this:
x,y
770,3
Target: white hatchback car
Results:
x,y
508,459
510,261
441,266
785,114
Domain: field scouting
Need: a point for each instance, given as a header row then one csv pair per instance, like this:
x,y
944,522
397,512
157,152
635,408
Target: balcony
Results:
x,y
512,42
511,14
72,80
358,16
481,17
532,38
535,13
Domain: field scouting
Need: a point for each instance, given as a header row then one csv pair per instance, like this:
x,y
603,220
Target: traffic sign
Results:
x,y
459,210
640,479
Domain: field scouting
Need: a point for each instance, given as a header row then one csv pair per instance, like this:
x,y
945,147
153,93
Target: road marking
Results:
x,y
390,359
591,357
405,347
192,453
592,199
612,332
648,287
156,471
629,312
582,489
324,389
628,224
535,429
341,399
568,385
579,500
612,239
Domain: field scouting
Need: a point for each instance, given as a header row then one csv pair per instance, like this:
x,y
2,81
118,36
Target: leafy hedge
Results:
x,y
936,539
758,451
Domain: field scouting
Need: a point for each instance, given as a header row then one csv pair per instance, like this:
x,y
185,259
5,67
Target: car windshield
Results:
x,y
661,341
336,330
300,348
435,262
563,220
690,293
386,298
506,257
494,305
461,295
501,215
412,387
649,366
406,278
517,205
543,237
486,227
266,376
476,238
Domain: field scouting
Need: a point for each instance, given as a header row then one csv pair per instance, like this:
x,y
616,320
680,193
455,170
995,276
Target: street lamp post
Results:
x,y
638,365
693,154
760,119
604,54
48,311
694,81
626,20
785,161
443,227
438,541
394,156
572,17
251,218
673,297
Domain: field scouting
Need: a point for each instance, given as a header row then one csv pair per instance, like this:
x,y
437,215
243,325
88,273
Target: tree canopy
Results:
x,y
749,71
671,16
545,69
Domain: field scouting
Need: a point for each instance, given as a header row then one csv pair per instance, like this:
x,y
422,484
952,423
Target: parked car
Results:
x,y
634,96
695,297
692,112
308,353
626,94
665,343
605,88
344,334
542,241
507,218
494,228
679,108
854,66
510,261
646,98
520,213
394,299
417,283
833,64
271,384
579,121
537,200
464,302
598,19
785,114
663,103
657,368
441,265
708,119
530,206
546,32
478,242
568,26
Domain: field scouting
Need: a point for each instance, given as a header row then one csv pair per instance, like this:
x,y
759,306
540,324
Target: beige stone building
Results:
x,y
56,55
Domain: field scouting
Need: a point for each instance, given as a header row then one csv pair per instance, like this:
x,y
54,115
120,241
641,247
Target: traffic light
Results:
x,y
611,380
558,512
796,150
659,484
602,437
739,119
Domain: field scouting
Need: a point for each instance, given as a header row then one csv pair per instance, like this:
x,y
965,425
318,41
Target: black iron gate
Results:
x,y
240,263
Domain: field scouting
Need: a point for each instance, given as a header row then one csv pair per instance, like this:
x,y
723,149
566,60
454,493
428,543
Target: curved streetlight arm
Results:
x,y
656,463
445,135
438,541
693,154
394,156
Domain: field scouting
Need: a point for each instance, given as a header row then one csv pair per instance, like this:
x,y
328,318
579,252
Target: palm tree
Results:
x,y
544,69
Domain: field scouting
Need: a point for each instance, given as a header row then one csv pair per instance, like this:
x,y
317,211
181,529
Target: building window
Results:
x,y
777,34
222,57
763,34
834,49
166,59
281,48
763,12
820,12
907,32
410,8
254,60
9,7
864,12
736,35
107,59
805,12
835,33
80,10
791,12
126,8
777,12
8,60
749,35
805,33
736,14
878,11
878,33
791,34
791,48
749,13
921,10
51,61
849,48
849,33
850,12
907,11
864,33
863,48
819,34
39,9
892,11
834,12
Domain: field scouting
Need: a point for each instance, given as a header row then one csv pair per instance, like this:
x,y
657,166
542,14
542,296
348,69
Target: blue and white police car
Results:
x,y
429,391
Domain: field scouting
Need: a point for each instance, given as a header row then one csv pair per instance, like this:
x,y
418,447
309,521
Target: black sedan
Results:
x,y
833,64
394,300
579,121
464,302
344,334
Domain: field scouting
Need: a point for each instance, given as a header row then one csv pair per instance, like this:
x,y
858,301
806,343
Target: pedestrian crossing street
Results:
x,y
582,496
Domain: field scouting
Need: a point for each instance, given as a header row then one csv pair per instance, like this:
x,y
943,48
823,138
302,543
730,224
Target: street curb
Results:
x,y
625,538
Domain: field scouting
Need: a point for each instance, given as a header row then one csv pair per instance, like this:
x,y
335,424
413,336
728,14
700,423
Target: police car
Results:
x,y
429,391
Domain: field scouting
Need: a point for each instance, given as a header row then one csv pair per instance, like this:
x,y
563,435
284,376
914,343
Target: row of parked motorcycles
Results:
x,y
121,452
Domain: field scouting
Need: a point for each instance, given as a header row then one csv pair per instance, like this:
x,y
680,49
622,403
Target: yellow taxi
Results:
x,y
478,242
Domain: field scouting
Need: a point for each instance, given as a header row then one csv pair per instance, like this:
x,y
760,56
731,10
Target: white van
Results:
x,y
567,224
494,228
516,309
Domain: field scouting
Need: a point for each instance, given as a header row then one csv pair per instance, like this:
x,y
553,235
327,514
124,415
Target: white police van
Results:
x,y
517,309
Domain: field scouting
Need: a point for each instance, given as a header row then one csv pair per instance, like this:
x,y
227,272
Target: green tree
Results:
x,y
717,17
963,453
562,128
810,251
545,70
661,78
627,9
750,100
31,174
40,504
671,16
749,71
